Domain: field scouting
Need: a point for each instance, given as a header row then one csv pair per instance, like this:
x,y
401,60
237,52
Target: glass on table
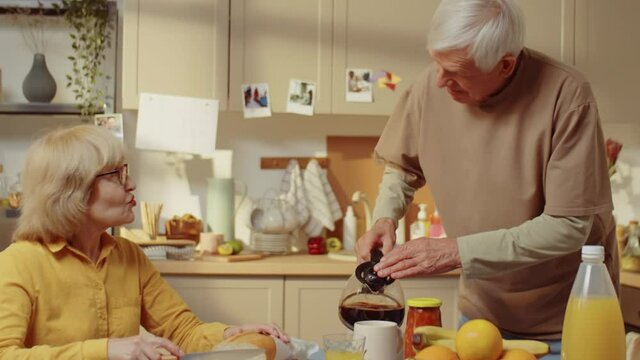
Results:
x,y
343,347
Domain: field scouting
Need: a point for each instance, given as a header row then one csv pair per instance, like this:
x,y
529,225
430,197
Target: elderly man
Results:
x,y
509,141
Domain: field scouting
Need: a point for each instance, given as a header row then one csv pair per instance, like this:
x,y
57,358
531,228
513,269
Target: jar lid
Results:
x,y
424,302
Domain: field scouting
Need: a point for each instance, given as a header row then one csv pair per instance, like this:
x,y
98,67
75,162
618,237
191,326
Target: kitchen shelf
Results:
x,y
39,108
10,10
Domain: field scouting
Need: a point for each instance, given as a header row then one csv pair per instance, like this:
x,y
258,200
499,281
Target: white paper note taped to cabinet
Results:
x,y
176,123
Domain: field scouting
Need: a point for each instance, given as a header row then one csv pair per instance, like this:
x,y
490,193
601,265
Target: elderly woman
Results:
x,y
69,290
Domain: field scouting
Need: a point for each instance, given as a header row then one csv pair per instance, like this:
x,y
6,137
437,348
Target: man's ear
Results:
x,y
508,65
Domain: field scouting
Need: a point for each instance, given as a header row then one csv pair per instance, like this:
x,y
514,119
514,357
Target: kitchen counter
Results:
x,y
293,265
273,265
631,279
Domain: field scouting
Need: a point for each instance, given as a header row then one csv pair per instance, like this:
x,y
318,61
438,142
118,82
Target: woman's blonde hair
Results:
x,y
490,29
59,171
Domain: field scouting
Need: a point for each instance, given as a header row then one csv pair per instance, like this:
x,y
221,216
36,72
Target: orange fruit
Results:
x,y
517,354
479,339
436,352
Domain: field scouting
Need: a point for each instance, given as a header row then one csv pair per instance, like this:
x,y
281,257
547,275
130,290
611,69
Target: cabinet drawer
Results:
x,y
630,303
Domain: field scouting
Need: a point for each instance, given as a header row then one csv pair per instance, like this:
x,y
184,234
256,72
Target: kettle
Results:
x,y
367,296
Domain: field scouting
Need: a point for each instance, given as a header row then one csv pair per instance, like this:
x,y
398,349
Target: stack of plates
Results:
x,y
271,243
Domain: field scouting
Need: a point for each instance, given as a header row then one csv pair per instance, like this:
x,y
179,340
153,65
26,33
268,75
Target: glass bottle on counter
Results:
x,y
593,328
422,312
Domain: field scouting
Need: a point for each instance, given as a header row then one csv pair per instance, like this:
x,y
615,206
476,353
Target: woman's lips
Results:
x,y
133,201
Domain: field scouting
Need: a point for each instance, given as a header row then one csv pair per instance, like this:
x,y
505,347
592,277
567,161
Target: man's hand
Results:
x,y
382,234
423,256
140,347
267,329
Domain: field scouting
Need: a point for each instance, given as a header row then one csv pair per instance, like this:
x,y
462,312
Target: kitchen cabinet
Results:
x,y
317,41
607,55
379,35
278,40
311,303
306,306
173,47
630,304
374,39
232,299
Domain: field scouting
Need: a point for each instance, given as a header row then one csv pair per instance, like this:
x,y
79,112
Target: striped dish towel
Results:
x,y
324,207
293,192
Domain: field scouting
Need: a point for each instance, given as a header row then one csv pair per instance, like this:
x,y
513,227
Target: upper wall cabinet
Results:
x,y
319,40
379,35
174,47
550,27
392,36
607,51
278,40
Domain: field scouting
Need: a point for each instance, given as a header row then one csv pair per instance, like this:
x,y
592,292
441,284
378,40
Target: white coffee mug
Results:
x,y
383,339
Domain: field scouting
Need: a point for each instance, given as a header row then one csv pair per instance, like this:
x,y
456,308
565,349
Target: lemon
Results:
x,y
236,245
436,352
333,244
225,249
479,339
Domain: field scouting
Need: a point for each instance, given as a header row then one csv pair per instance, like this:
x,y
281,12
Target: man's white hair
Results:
x,y
489,29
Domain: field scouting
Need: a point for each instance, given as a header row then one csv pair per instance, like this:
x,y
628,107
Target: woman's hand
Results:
x,y
268,329
141,347
382,234
423,256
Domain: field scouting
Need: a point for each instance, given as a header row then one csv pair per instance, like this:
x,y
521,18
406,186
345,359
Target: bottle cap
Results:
x,y
349,211
424,302
592,250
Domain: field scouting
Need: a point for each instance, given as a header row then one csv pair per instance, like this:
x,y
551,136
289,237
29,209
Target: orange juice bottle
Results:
x,y
593,328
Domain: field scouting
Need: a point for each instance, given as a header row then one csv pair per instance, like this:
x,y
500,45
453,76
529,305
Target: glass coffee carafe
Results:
x,y
369,297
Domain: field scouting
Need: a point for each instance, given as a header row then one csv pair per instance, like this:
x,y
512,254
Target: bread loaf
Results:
x,y
262,341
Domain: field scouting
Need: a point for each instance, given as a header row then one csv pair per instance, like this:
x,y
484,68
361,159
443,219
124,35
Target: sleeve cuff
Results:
x,y
95,349
465,251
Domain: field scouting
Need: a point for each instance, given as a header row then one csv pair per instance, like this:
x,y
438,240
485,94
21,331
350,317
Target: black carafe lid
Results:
x,y
367,276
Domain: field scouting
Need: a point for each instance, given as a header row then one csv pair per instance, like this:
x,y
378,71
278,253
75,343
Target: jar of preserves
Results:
x,y
422,312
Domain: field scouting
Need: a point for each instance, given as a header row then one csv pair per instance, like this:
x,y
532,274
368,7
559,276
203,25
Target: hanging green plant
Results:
x,y
90,36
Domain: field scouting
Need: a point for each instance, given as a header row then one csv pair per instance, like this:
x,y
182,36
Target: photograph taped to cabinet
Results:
x,y
302,97
255,100
358,85
111,122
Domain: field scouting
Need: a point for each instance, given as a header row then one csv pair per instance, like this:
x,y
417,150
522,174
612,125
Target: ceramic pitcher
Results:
x,y
221,208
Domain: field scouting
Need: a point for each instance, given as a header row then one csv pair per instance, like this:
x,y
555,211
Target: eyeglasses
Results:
x,y
122,171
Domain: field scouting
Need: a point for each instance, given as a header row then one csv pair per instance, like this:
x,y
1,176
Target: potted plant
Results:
x,y
91,36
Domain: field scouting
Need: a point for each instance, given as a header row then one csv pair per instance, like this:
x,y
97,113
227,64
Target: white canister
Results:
x,y
383,339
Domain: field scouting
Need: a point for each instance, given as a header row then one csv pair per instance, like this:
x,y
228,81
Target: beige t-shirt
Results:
x,y
536,147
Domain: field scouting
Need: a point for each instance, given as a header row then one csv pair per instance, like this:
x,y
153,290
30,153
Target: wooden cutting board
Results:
x,y
231,258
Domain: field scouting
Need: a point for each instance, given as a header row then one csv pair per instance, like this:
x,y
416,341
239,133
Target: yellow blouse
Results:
x,y
55,303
